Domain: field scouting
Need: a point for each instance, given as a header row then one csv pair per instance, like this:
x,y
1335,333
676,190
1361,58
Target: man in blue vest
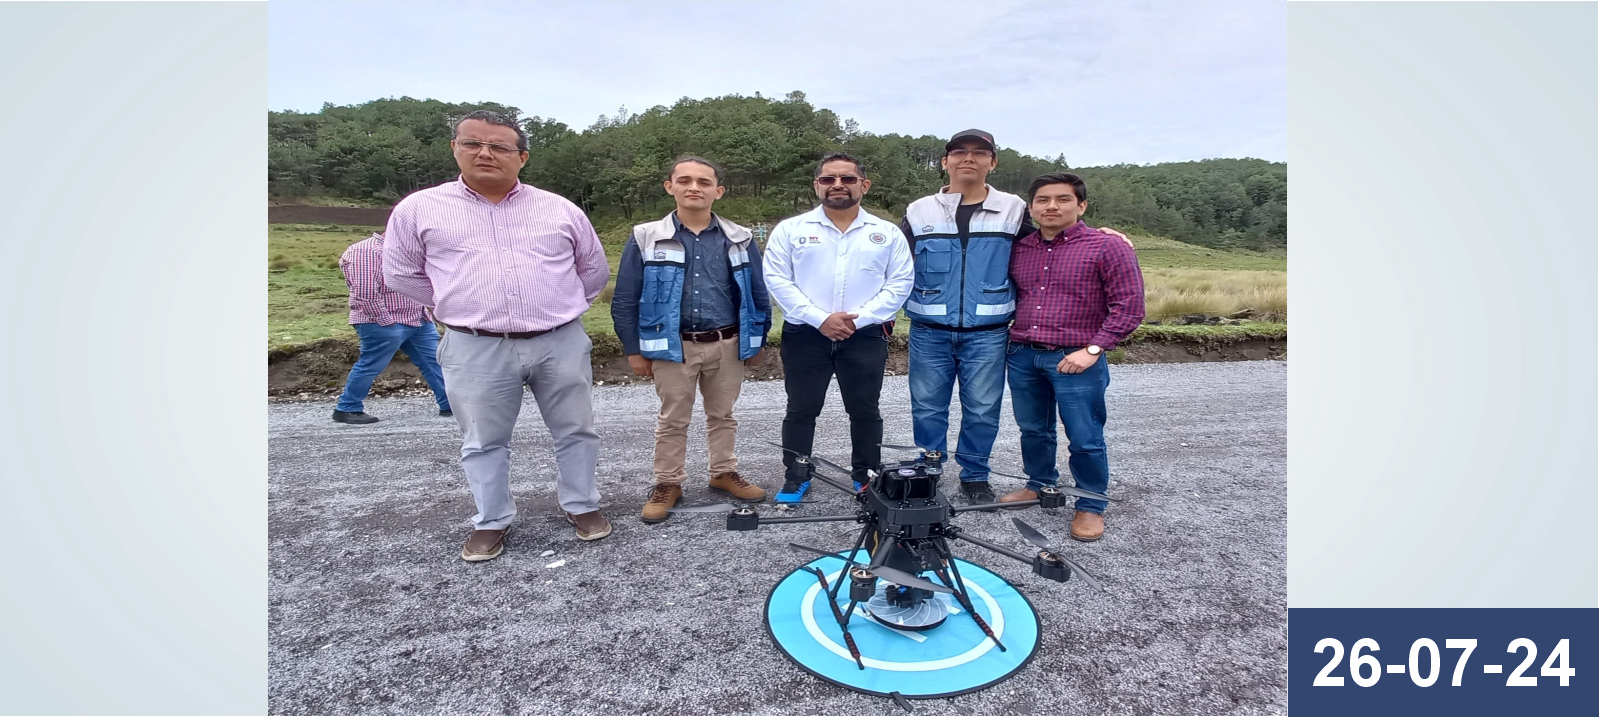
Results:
x,y
691,309
961,305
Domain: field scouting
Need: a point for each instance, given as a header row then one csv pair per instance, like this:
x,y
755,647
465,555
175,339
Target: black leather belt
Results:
x,y
712,336
499,334
1037,346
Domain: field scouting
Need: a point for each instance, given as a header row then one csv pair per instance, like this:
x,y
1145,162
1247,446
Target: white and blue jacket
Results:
x,y
647,306
963,284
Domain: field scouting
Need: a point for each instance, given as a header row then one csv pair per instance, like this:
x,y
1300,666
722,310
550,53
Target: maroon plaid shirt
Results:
x,y
1083,287
370,301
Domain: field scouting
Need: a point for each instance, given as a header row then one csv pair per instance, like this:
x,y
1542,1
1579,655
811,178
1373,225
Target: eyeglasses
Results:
x,y
826,180
962,152
473,146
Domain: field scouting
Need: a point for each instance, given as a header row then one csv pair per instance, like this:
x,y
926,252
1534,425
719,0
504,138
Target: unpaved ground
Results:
x,y
319,368
372,611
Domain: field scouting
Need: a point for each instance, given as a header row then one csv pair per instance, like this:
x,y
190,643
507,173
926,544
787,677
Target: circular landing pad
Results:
x,y
951,659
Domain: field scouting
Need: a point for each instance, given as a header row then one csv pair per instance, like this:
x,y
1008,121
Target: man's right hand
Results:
x,y
838,325
641,366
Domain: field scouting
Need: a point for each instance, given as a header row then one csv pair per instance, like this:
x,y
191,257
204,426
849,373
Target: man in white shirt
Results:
x,y
840,275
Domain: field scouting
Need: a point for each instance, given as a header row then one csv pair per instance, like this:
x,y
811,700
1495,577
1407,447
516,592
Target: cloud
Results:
x,y
1102,83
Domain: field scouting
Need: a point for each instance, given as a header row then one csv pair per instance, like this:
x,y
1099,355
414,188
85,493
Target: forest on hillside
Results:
x,y
382,150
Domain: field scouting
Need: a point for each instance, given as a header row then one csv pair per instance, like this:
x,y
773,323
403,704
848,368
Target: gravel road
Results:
x,y
371,610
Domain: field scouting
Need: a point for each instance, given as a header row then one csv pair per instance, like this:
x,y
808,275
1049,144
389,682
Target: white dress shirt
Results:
x,y
812,270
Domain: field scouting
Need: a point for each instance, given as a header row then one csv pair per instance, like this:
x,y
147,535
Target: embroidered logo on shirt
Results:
x,y
927,228
878,238
660,256
813,240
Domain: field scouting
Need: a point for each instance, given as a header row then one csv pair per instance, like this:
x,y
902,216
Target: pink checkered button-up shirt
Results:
x,y
530,263
370,301
1082,287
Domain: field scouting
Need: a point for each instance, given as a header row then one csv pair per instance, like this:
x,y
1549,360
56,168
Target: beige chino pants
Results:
x,y
717,371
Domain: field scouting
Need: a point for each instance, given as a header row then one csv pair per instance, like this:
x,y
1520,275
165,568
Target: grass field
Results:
x,y
307,298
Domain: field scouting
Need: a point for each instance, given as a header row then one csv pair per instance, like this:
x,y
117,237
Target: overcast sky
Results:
x,y
1101,82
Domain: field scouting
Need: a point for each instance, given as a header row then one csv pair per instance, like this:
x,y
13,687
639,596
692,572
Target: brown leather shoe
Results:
x,y
590,525
734,485
662,497
1017,496
1088,527
484,545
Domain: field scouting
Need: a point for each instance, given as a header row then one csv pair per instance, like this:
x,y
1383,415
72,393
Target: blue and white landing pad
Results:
x,y
951,659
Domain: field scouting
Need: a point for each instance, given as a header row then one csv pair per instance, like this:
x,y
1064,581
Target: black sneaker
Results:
x,y
356,417
977,492
446,413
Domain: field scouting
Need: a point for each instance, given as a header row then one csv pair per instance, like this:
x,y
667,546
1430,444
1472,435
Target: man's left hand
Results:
x,y
756,360
1077,362
1117,234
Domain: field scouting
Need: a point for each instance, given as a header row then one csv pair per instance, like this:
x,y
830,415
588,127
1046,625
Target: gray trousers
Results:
x,y
485,376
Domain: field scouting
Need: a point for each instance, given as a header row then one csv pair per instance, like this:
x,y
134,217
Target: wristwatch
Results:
x,y
1094,350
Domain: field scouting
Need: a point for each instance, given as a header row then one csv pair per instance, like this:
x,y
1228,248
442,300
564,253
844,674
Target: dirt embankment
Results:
x,y
319,368
303,214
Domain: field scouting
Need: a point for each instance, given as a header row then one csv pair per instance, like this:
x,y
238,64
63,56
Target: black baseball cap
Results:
x,y
966,134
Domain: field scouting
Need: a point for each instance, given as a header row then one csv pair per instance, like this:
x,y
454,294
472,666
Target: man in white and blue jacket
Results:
x,y
961,305
691,309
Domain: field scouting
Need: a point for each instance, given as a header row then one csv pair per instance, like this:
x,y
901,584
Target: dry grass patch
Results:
x,y
1171,293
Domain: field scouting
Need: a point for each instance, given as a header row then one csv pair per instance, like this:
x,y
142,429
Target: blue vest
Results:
x,y
963,286
660,305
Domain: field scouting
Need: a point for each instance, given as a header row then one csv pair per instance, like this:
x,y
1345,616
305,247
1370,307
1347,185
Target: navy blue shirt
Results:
x,y
709,296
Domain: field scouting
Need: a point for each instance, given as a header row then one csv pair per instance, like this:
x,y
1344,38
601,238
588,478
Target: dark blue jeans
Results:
x,y
378,344
977,358
1037,392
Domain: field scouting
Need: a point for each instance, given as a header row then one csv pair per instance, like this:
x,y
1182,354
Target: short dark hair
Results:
x,y
492,118
672,170
839,157
1078,188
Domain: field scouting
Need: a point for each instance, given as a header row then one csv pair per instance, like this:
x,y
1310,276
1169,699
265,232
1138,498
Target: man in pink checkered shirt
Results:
x,y
386,321
509,269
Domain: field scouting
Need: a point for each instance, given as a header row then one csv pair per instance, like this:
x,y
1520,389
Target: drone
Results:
x,y
907,526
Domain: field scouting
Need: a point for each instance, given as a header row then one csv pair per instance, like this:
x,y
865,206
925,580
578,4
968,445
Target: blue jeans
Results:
x,y
1037,392
937,358
378,344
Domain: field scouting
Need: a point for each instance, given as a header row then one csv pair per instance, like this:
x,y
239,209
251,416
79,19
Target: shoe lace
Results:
x,y
660,494
736,479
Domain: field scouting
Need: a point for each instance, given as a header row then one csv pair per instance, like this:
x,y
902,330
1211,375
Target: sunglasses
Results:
x,y
826,180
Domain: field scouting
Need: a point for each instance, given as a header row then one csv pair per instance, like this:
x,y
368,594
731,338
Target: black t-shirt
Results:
x,y
963,219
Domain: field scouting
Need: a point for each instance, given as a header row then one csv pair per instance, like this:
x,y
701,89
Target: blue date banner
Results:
x,y
1458,661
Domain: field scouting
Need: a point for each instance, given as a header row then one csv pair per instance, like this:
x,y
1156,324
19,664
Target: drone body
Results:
x,y
911,582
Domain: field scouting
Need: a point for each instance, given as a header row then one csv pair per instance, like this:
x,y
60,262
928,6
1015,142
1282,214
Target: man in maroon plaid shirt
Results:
x,y
1079,292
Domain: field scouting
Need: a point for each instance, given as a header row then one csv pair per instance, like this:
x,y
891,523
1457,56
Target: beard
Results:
x,y
840,201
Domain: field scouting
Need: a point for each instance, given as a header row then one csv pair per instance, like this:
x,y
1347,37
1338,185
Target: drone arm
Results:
x,y
818,475
811,519
959,535
990,506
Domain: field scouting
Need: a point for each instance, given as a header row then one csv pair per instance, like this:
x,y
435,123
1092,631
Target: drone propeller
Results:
x,y
823,461
1042,542
816,459
898,577
718,507
1068,490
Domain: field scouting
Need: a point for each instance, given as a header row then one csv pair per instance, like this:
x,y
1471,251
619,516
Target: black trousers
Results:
x,y
810,360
